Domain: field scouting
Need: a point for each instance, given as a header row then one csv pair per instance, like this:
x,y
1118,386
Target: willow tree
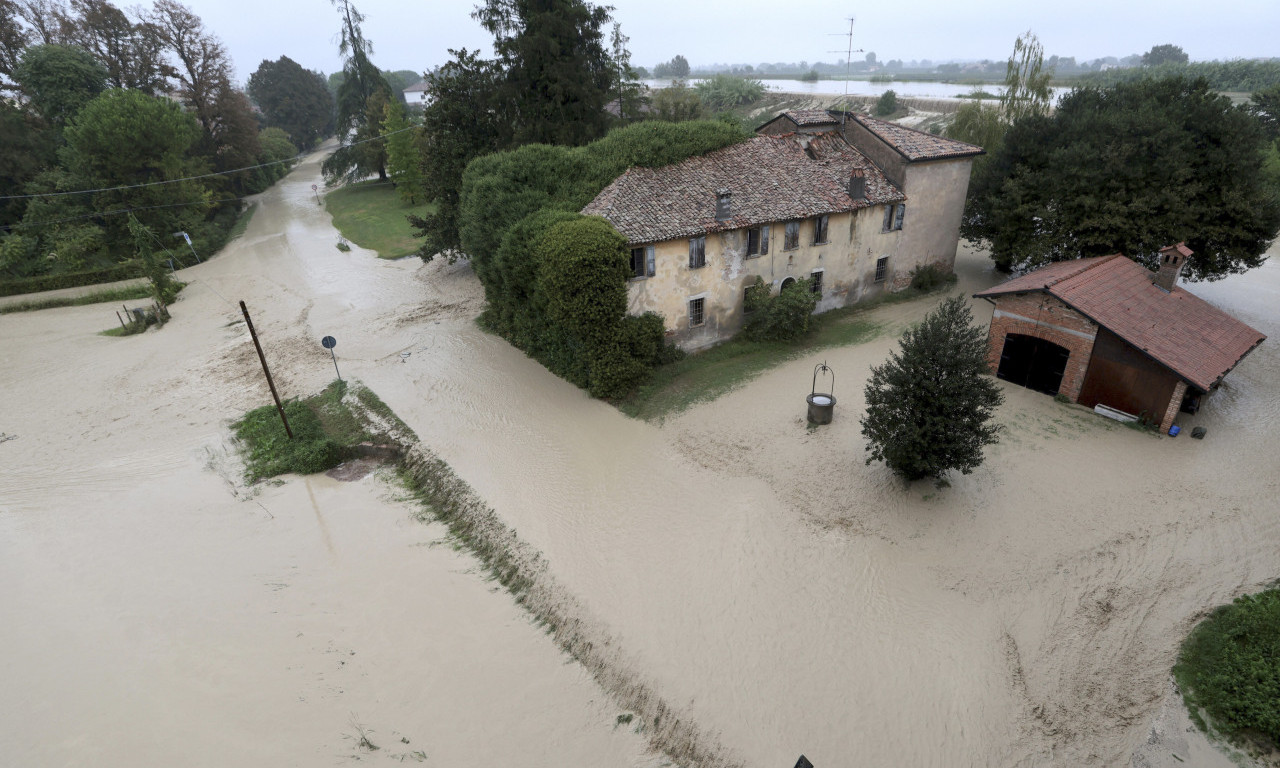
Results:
x,y
362,99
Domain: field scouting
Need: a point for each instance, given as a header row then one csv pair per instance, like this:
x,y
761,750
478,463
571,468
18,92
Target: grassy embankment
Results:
x,y
326,429
127,293
706,375
1229,672
371,215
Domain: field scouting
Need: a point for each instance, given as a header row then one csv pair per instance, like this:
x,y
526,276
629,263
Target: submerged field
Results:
x,y
779,595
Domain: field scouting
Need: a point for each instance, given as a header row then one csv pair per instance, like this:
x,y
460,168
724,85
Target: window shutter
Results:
x,y
648,257
897,221
764,240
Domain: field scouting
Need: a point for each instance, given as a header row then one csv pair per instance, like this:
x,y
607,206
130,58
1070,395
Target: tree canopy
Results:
x,y
293,99
1130,169
1164,54
362,98
58,80
678,67
929,406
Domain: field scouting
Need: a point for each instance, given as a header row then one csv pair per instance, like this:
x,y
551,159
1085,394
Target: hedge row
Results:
x,y
123,271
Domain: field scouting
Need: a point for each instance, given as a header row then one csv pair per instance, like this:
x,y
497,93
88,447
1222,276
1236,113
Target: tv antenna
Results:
x,y
848,68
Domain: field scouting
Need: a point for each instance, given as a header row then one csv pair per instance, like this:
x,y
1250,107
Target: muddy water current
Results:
x,y
754,572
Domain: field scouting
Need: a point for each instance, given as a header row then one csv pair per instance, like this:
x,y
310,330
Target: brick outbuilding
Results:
x,y
1106,330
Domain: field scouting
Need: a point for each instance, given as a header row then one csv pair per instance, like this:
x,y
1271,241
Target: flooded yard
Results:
x,y
754,572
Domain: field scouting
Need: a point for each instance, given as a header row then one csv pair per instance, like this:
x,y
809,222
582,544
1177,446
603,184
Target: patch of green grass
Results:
x,y
704,376
371,215
127,293
324,429
1229,670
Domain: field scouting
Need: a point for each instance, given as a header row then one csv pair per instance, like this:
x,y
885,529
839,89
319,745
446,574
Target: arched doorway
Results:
x,y
789,281
1032,362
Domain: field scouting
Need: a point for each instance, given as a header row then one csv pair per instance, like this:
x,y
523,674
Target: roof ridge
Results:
x,y
1085,267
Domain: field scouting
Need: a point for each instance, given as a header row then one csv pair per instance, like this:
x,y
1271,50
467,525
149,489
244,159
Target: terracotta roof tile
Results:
x,y
811,117
1181,331
916,145
770,178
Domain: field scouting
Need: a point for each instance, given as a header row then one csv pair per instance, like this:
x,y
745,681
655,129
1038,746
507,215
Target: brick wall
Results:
x,y
1043,316
1175,403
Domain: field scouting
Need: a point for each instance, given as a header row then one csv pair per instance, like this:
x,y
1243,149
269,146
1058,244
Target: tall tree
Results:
x,y
1026,82
556,66
1265,105
404,164
132,52
361,97
1129,169
628,92
929,406
13,39
1164,54
59,80
293,99
28,147
463,121
46,19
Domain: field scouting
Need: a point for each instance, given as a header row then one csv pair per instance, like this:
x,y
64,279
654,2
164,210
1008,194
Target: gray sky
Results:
x,y
417,36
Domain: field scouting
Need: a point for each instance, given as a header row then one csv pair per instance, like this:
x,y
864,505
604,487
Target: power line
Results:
x,y
97,214
193,178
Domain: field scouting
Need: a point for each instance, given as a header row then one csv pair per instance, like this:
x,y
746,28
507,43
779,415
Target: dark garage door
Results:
x,y
1033,363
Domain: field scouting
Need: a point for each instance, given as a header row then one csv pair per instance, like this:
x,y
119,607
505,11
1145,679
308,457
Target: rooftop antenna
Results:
x,y
848,65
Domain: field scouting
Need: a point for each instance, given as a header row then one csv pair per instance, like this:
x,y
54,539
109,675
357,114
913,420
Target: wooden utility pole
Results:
x,y
265,369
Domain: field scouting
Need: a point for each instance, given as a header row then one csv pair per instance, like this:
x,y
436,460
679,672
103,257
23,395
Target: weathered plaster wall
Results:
x,y
877,151
935,203
847,260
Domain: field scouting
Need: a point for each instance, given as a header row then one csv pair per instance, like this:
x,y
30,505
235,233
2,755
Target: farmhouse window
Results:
x,y
757,241
882,268
816,284
893,216
791,237
642,261
697,252
696,308
820,229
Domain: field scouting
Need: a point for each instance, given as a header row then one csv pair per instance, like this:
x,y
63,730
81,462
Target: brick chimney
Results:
x,y
724,208
858,184
1171,259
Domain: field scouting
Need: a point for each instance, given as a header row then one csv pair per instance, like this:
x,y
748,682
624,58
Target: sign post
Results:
x,y
328,342
316,189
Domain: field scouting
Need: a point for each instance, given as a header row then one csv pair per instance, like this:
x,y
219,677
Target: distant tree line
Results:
x,y
138,106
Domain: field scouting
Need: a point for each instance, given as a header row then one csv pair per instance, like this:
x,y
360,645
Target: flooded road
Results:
x,y
754,572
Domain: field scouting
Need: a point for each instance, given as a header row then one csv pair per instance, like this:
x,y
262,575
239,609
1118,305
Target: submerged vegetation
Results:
x,y
1229,671
326,428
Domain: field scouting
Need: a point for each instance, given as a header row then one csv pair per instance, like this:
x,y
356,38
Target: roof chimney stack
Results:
x,y
858,184
1171,259
724,210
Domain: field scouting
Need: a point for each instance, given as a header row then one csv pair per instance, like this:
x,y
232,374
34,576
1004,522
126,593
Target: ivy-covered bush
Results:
x,y
583,282
518,209
784,317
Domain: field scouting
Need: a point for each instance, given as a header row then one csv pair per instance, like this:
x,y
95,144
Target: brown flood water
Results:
x,y
752,571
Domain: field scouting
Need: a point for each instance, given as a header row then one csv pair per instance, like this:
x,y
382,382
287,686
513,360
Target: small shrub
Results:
x,y
784,317
809,77
887,104
1229,667
926,277
344,246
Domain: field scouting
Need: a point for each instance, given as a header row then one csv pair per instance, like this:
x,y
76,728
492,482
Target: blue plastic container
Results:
x,y
1174,430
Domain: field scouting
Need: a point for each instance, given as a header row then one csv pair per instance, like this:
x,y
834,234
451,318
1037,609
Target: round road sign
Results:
x,y
328,342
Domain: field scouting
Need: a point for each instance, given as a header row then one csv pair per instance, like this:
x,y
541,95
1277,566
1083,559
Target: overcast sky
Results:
x,y
417,36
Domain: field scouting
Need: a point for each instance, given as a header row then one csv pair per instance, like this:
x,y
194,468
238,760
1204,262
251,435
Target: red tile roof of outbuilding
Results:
x,y
915,145
1179,330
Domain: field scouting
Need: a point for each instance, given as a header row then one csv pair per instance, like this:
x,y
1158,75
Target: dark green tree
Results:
x,y
463,121
163,287
678,68
628,91
784,317
293,99
887,104
556,70
1129,169
1164,54
28,148
13,39
59,80
929,406
1265,105
362,96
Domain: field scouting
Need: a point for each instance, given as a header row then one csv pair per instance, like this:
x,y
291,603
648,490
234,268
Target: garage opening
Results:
x,y
1033,363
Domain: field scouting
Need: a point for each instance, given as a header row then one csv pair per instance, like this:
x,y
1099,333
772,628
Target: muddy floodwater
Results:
x,y
753,571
